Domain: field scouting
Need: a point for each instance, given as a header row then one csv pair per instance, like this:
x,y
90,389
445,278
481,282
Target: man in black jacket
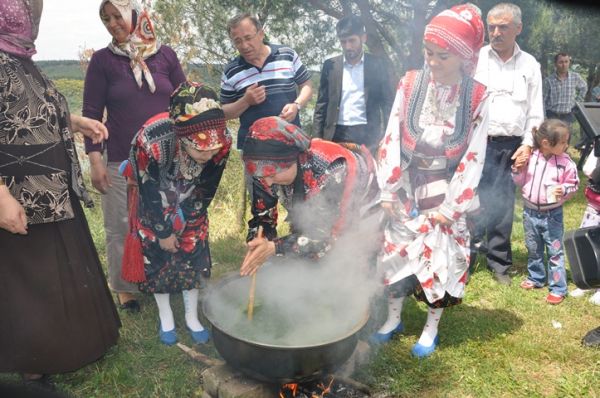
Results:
x,y
356,91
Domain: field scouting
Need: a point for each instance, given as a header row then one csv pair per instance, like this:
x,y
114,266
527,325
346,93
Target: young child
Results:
x,y
546,182
591,216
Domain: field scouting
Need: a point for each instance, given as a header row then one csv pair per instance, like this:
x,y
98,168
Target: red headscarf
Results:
x,y
273,145
459,30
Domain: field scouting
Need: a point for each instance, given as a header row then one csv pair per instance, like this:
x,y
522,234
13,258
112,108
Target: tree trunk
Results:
x,y
373,38
415,47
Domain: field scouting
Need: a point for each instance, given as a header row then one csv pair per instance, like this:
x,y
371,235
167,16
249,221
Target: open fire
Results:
x,y
320,389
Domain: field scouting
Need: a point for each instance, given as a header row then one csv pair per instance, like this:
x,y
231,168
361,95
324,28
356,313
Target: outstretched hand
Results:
x,y
91,128
259,250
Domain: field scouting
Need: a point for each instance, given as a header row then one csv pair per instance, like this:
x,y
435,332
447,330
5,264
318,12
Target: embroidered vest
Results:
x,y
415,89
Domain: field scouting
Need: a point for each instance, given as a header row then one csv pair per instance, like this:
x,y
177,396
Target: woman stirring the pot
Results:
x,y
322,184
429,165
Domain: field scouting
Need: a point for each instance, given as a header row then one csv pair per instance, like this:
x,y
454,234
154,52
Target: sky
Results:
x,y
67,26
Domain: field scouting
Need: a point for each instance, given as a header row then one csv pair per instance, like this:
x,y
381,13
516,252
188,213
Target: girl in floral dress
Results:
x,y
429,165
178,160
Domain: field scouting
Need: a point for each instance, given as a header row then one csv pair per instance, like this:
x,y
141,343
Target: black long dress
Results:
x,y
56,311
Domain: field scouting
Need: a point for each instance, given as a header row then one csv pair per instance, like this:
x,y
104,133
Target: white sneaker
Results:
x,y
579,292
595,299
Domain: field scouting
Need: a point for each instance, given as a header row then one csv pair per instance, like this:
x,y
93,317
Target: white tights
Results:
x,y
190,302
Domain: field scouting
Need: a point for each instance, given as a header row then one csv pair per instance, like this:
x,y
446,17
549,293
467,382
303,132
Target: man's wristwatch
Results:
x,y
298,105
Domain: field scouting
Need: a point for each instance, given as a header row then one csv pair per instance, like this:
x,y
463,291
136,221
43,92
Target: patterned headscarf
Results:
x,y
272,145
140,44
19,25
459,30
199,122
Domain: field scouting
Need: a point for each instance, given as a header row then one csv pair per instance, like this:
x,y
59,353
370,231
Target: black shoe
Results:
x,y
131,306
479,247
502,279
592,338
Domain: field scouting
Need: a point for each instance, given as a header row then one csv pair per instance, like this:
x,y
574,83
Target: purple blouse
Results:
x,y
109,83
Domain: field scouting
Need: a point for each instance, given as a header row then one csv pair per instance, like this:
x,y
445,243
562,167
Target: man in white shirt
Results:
x,y
356,91
514,86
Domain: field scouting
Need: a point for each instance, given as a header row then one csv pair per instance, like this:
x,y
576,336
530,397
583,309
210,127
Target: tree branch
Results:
x,y
324,6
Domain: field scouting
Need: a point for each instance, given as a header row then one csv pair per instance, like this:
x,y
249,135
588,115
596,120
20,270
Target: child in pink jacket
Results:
x,y
546,182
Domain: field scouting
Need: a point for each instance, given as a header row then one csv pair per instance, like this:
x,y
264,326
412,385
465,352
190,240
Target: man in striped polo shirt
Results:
x,y
264,80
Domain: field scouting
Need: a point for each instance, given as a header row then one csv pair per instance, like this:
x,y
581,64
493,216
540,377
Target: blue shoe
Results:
x,y
168,337
380,338
421,351
200,337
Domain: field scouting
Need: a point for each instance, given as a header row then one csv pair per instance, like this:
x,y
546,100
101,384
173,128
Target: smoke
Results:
x,y
302,303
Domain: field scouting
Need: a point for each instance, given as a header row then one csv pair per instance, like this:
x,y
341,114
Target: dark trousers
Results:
x,y
358,134
568,118
497,196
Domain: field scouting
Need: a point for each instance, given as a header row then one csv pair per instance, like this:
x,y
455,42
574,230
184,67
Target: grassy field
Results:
x,y
499,342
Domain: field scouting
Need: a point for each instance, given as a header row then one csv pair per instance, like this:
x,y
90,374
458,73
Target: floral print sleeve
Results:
x,y
264,211
388,159
314,220
464,182
147,169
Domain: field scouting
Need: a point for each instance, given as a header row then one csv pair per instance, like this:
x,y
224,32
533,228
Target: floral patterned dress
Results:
x,y
333,184
431,159
169,204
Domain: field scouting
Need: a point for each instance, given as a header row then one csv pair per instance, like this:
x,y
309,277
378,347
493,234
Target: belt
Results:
x,y
549,112
541,208
503,138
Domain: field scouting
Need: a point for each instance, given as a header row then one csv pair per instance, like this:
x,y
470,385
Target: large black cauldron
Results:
x,y
319,335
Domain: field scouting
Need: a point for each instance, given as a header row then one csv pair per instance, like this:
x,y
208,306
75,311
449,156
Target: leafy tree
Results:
x,y
196,29
395,28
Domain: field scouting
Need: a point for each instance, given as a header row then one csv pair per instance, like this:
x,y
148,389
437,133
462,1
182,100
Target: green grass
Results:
x,y
499,342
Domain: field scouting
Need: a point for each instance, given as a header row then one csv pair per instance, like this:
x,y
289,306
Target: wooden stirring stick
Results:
x,y
253,283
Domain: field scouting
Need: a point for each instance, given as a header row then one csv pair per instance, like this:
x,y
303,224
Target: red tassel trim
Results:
x,y
132,265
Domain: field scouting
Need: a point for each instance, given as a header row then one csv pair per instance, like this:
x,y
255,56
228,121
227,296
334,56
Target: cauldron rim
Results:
x,y
233,276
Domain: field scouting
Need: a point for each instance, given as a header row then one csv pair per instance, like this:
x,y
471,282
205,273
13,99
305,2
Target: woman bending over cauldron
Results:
x,y
429,165
322,184
177,160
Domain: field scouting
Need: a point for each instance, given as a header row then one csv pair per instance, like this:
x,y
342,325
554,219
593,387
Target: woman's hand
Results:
x,y
100,178
439,218
169,244
12,214
91,128
388,208
259,250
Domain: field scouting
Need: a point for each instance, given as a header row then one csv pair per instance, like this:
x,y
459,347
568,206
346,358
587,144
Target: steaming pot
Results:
x,y
294,358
